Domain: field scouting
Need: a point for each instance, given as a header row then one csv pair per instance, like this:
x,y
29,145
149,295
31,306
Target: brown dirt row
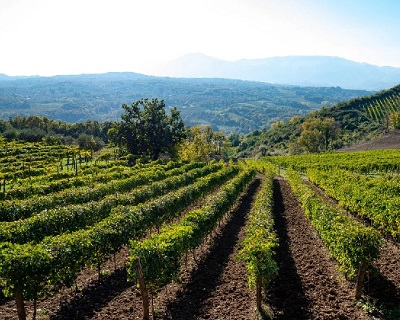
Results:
x,y
309,285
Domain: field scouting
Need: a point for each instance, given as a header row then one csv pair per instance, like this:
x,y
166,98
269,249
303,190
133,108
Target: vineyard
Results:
x,y
311,236
388,103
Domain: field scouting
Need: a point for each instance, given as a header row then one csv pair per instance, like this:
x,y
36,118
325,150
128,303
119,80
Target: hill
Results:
x,y
317,71
356,121
389,140
226,105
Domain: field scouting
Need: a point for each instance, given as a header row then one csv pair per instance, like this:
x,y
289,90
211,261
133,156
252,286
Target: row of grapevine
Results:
x,y
154,262
75,217
24,148
259,246
364,162
96,171
45,185
14,210
352,244
30,270
375,199
379,109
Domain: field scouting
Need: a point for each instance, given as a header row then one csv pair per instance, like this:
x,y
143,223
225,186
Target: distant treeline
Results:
x,y
89,135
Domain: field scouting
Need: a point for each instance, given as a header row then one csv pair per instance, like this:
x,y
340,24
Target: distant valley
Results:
x,y
225,104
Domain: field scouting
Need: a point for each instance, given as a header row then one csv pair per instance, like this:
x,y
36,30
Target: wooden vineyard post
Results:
x,y
19,299
259,292
360,280
143,291
4,188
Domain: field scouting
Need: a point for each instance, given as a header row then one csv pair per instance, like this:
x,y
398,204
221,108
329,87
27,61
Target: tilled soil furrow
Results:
x,y
309,285
217,288
383,284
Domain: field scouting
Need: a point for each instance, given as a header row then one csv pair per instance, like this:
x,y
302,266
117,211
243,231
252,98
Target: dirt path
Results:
x,y
308,285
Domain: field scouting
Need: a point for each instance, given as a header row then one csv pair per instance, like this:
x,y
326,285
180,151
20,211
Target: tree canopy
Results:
x,y
201,143
317,134
147,130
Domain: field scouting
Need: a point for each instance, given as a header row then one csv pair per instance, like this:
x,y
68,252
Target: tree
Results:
x,y
394,120
201,143
147,130
88,142
318,134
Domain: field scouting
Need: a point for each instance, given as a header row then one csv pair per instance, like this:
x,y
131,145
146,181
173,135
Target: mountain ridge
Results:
x,y
318,71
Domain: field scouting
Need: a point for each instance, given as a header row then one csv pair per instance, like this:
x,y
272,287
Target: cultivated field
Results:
x,y
85,239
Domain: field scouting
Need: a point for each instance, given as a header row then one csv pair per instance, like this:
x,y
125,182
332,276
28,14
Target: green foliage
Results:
x,y
89,142
364,162
317,134
54,132
74,217
147,130
376,199
160,255
201,144
225,105
357,119
13,210
394,120
259,246
56,260
349,242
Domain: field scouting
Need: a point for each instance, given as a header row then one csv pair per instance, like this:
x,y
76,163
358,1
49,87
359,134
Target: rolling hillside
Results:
x,y
226,105
358,120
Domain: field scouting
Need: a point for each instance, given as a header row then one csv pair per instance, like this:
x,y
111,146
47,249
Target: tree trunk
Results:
x,y
143,291
19,299
99,270
34,308
360,280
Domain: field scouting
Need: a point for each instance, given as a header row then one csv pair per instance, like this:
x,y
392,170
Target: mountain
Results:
x,y
318,71
226,105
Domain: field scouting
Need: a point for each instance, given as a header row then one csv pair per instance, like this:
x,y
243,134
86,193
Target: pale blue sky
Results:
x,y
48,37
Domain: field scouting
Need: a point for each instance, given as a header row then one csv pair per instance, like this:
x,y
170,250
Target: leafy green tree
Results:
x,y
318,134
201,142
234,138
147,130
88,142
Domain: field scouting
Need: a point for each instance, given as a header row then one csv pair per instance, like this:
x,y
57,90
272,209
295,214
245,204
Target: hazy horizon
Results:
x,y
57,37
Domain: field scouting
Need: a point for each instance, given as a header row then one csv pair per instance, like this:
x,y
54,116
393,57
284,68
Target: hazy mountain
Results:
x,y
293,70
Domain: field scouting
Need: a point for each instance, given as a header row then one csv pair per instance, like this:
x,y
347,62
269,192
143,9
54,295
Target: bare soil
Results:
x,y
213,282
389,140
309,285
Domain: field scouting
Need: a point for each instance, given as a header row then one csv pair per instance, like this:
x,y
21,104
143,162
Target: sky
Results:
x,y
50,37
